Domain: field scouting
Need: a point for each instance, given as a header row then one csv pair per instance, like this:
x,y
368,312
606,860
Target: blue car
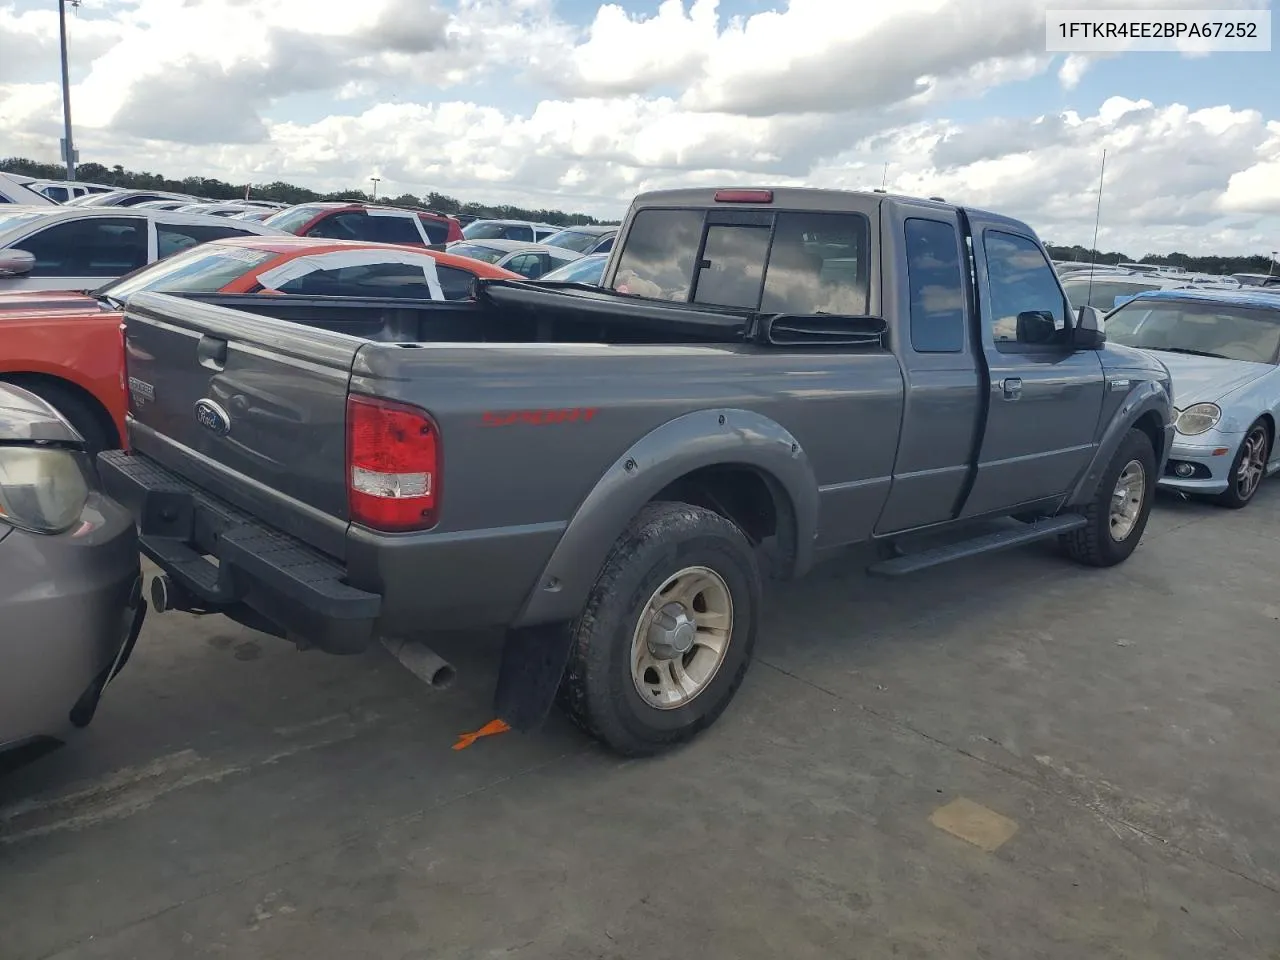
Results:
x,y
1223,351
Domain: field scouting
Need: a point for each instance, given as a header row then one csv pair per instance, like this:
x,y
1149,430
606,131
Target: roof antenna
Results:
x,y
1088,297
885,176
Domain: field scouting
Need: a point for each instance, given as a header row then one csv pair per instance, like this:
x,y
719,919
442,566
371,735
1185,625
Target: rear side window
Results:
x,y
1027,306
820,263
437,230
93,247
173,238
935,286
789,262
529,265
56,193
395,229
352,225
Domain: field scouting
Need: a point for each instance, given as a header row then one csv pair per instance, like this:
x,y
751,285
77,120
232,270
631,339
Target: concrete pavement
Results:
x,y
1104,740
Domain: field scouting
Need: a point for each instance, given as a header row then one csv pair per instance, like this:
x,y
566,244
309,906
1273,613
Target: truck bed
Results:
x,y
504,312
536,394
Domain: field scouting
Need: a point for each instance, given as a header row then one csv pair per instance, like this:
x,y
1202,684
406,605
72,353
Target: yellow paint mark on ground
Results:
x,y
974,823
488,730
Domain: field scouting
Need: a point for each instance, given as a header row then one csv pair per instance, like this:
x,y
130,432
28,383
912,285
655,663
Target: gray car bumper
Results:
x,y
1207,465
70,609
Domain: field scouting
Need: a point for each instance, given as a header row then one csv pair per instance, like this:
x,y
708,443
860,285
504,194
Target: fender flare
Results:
x,y
1147,397
704,438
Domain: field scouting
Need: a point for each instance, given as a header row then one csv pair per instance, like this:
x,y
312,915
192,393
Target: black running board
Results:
x,y
1017,536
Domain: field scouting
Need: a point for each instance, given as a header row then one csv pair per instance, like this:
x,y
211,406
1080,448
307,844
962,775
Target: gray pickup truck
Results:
x,y
764,377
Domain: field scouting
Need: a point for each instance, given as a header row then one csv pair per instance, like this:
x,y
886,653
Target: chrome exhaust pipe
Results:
x,y
423,662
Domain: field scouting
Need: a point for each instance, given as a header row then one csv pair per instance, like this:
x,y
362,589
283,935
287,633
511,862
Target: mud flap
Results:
x,y
533,661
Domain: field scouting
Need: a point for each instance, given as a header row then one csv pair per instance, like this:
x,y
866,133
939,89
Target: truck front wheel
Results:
x,y
1117,514
666,635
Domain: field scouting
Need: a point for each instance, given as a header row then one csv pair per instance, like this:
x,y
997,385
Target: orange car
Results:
x,y
68,347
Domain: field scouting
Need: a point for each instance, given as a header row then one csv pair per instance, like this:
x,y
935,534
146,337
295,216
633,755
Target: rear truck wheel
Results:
x,y
1248,468
1118,512
667,632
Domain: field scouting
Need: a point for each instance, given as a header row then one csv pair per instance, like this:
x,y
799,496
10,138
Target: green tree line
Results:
x,y
213,189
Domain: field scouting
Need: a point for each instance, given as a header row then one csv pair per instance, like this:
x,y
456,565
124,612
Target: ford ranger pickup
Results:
x,y
764,377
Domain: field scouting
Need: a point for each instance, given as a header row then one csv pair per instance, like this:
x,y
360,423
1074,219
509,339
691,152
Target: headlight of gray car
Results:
x,y
42,489
1198,418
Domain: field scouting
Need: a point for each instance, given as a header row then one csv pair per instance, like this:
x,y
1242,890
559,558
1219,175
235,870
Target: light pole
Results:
x,y
67,143
375,180
1271,263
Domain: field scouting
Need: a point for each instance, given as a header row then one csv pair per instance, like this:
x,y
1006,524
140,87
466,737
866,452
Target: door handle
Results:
x,y
211,353
1012,388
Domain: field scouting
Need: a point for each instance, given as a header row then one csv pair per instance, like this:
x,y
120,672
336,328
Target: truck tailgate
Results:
x,y
224,397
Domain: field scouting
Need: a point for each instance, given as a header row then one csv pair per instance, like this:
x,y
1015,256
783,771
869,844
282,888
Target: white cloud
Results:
x,y
804,94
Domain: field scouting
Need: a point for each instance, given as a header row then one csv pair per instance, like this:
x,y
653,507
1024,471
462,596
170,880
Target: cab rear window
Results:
x,y
795,262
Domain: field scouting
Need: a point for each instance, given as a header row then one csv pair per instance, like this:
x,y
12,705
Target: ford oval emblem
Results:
x,y
212,417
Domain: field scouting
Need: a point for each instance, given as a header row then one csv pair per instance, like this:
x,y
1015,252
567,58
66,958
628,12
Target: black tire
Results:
x,y
88,419
1094,544
597,691
1233,498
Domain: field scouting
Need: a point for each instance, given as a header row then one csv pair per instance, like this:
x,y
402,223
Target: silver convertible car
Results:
x,y
1222,348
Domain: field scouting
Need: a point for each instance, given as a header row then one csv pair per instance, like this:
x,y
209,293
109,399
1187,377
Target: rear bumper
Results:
x,y
222,560
72,608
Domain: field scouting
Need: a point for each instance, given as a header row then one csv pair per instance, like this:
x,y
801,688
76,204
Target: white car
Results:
x,y
522,230
63,247
1222,348
17,189
60,191
530,260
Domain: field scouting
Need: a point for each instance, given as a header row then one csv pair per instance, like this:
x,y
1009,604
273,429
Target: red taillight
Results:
x,y
744,196
393,463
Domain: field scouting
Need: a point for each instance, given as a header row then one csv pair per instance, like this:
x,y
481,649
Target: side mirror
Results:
x,y
1035,326
16,263
1087,333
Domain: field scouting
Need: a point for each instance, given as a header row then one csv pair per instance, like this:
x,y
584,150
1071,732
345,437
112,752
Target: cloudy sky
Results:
x,y
578,104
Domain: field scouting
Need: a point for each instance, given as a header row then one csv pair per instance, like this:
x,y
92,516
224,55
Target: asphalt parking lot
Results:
x,y
1014,757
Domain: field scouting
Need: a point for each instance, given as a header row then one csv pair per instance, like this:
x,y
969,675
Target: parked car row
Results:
x,y
1107,286
298,482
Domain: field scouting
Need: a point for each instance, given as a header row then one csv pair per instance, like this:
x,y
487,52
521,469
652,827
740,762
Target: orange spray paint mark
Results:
x,y
488,730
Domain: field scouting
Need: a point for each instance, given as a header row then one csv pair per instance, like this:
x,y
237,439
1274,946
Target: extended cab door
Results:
x,y
1045,397
926,287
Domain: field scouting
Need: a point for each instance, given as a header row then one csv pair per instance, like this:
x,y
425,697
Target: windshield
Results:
x,y
204,269
1104,293
1202,328
295,218
586,270
477,251
573,240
